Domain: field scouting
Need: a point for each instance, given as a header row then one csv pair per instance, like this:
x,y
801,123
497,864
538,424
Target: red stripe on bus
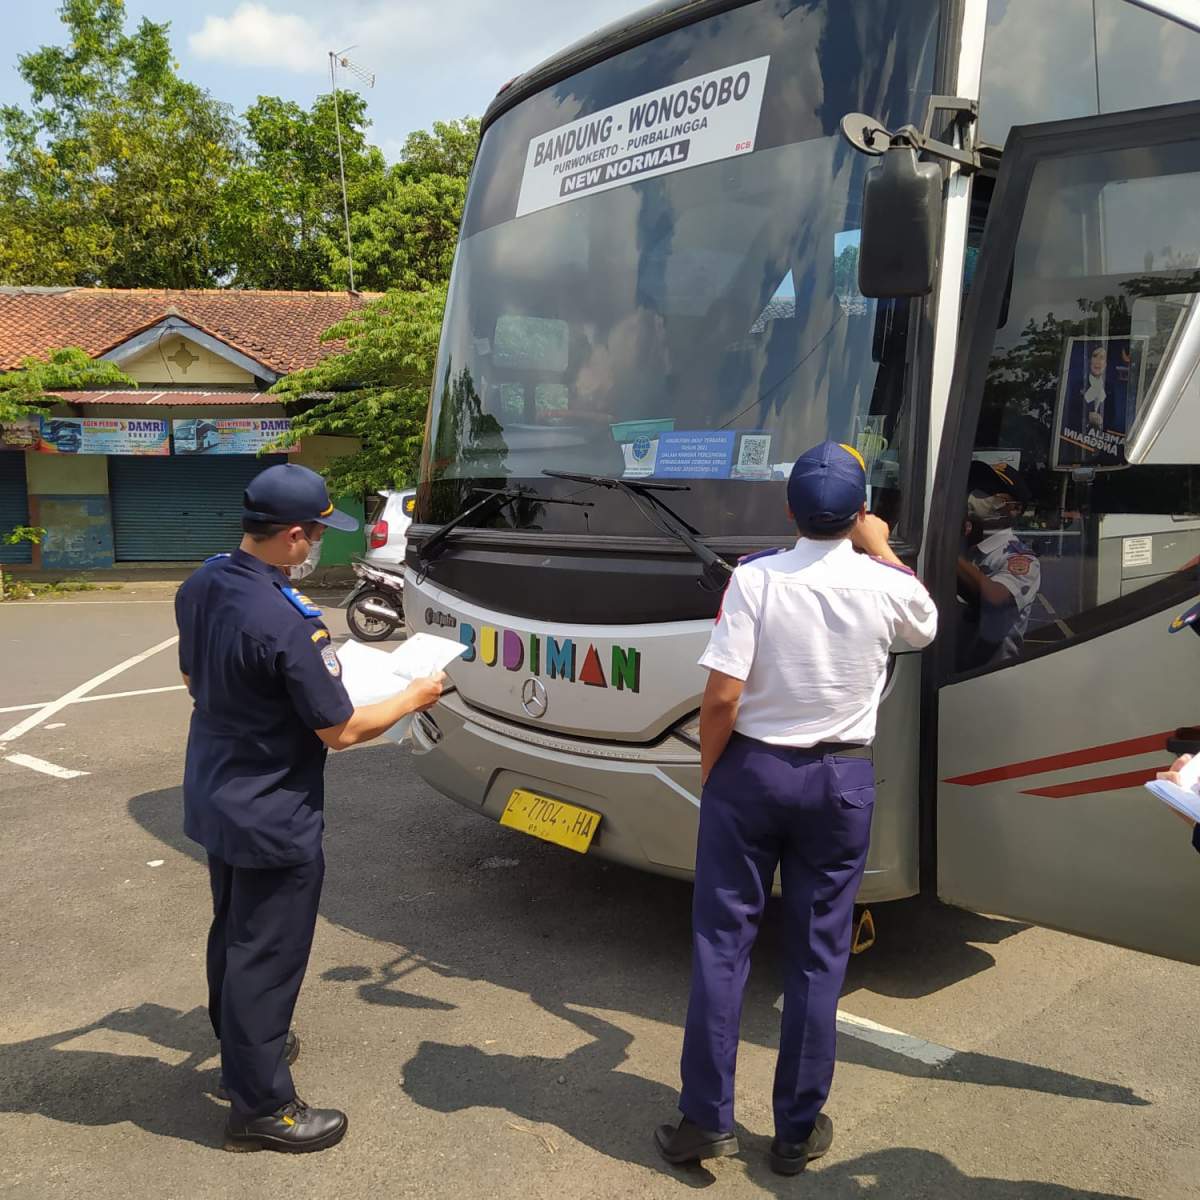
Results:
x,y
1105,783
1074,758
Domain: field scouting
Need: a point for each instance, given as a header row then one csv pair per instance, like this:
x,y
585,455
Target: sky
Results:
x,y
432,59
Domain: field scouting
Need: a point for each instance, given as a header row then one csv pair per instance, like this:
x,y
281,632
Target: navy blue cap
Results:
x,y
290,494
996,478
827,488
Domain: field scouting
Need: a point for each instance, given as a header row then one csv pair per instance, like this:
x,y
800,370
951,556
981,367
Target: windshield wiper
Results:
x,y
494,501
716,570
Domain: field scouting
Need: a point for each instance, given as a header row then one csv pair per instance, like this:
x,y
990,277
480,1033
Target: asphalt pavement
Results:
x,y
498,1016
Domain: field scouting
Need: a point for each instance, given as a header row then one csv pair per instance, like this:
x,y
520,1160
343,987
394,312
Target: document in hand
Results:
x,y
374,675
1183,799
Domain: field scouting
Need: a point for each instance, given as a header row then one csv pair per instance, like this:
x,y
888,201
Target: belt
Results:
x,y
841,749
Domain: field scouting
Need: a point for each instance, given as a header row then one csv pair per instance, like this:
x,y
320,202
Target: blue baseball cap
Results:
x,y
290,494
827,488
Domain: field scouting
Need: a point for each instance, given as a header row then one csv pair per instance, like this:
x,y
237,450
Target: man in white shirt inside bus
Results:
x,y
797,663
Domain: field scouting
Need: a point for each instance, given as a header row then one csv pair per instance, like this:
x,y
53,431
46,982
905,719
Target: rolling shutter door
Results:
x,y
14,505
179,508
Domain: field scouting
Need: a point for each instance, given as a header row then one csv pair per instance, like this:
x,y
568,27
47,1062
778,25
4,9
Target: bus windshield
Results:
x,y
657,275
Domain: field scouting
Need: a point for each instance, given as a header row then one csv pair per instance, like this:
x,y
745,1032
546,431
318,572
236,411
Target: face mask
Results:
x,y
309,565
987,512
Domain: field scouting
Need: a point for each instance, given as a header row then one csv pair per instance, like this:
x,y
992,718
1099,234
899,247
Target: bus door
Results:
x,y
1057,562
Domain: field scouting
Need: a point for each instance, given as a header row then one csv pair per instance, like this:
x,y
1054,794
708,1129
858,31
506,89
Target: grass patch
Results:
x,y
20,589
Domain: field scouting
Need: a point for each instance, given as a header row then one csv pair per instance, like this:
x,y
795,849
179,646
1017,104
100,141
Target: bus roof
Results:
x,y
640,26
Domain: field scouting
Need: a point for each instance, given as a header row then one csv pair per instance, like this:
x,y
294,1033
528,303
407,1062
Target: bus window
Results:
x,y
1076,58
1060,537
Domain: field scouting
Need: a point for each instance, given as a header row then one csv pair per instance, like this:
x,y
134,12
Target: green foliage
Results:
x,y
280,217
113,177
449,149
23,533
377,389
22,390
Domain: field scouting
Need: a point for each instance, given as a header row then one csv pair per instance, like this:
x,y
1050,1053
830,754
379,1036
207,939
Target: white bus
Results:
x,y
658,301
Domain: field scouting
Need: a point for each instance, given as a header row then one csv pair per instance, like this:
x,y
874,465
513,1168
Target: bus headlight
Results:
x,y
689,730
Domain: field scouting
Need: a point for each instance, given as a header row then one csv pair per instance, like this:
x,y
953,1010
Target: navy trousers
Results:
x,y
766,806
258,947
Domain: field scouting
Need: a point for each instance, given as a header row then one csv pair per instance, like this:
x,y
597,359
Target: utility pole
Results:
x,y
337,58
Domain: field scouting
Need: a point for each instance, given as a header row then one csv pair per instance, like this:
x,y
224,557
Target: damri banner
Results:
x,y
232,435
86,435
699,120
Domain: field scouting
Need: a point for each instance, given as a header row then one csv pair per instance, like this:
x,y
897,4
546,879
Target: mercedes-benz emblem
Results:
x,y
533,697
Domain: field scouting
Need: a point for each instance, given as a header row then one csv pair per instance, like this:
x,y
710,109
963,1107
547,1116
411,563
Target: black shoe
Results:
x,y
291,1052
687,1143
294,1129
790,1158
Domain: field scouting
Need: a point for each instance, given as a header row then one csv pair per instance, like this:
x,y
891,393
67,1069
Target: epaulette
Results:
x,y
301,603
883,562
214,557
746,558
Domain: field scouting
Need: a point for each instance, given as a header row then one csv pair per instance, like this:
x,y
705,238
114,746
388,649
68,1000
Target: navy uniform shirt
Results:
x,y
263,676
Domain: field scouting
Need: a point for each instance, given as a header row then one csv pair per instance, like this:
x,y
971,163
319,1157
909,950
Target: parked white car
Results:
x,y
387,527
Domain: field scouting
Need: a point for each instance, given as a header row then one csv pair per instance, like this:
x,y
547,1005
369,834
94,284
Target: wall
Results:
x,y
68,497
316,453
178,362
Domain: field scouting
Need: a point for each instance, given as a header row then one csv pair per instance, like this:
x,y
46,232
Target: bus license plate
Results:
x,y
551,820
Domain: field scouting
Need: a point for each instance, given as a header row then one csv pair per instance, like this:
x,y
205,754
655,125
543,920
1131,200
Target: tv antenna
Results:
x,y
337,58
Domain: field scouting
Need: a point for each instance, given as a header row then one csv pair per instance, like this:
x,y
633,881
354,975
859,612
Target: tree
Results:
x,y
280,213
406,239
377,389
112,178
26,388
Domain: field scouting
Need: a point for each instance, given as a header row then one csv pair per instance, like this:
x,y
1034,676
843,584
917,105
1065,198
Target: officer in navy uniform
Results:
x,y
797,663
269,702
999,577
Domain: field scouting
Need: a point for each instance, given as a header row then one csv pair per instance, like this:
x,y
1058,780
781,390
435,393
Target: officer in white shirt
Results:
x,y
797,663
999,577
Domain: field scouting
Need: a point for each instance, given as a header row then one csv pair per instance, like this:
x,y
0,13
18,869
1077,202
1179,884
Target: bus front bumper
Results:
x,y
648,796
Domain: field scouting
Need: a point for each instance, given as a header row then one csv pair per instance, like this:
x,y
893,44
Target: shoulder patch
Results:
x,y
1020,564
883,562
300,602
748,558
321,635
217,557
330,659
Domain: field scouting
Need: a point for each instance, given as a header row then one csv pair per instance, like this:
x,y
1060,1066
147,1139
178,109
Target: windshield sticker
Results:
x,y
686,124
753,458
703,454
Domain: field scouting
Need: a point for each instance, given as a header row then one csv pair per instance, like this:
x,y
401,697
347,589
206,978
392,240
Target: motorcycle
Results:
x,y
375,608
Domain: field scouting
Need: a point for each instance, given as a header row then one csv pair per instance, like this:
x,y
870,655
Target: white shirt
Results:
x,y
1005,560
809,631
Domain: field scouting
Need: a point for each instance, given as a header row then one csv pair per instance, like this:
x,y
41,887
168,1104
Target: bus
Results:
x,y
945,232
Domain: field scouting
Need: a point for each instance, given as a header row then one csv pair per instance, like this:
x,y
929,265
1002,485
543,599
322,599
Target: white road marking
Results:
x,y
866,1030
40,764
48,710
56,725
895,1040
177,687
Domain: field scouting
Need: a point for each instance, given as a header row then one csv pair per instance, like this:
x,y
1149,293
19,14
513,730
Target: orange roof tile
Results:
x,y
282,330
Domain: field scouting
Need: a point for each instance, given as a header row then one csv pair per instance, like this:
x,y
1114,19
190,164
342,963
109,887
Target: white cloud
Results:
x,y
256,36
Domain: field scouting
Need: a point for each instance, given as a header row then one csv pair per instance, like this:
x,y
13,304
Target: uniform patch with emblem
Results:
x,y
301,603
330,659
1019,564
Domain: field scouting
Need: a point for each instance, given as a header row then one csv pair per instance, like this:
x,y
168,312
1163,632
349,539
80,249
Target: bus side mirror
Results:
x,y
901,225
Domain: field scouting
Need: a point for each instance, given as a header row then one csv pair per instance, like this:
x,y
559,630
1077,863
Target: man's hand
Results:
x,y
870,535
425,693
1172,776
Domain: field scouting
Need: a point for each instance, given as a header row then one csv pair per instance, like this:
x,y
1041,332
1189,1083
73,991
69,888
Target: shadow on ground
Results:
x,y
465,898
84,1086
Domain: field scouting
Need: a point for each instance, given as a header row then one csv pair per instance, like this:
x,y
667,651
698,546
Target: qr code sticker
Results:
x,y
754,453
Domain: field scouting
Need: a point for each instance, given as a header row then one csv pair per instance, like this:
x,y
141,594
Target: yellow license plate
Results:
x,y
551,820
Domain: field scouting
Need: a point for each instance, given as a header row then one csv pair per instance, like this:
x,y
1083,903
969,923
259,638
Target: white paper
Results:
x,y
372,675
1137,552
1183,797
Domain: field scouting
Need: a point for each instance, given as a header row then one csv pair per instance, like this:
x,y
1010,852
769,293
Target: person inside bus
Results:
x,y
797,662
998,575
